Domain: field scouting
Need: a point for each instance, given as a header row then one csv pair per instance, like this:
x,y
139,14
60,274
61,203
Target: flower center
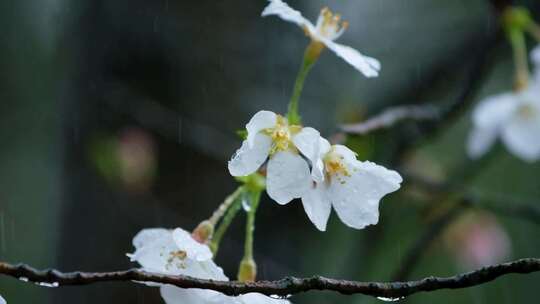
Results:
x,y
335,166
281,135
329,25
179,256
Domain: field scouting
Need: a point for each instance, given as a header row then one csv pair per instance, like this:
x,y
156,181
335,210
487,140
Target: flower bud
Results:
x,y
247,271
203,233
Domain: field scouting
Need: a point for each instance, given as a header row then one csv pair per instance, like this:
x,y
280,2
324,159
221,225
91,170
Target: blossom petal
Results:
x,y
308,143
147,236
208,269
174,295
368,66
522,136
2,301
356,197
317,171
260,121
195,250
259,298
155,256
480,140
317,206
287,13
535,56
287,176
247,160
494,111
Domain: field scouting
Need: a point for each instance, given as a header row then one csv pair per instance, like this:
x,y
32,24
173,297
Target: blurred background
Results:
x,y
121,115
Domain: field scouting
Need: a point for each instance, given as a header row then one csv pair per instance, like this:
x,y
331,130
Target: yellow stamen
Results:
x,y
281,135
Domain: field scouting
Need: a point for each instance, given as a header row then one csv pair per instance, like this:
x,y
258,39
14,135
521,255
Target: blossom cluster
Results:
x,y
302,164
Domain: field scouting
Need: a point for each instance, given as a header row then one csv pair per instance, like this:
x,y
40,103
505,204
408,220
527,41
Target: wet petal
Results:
x,y
349,156
147,236
247,160
521,135
317,205
480,140
260,121
317,171
494,111
287,177
174,295
285,12
308,143
154,256
194,249
368,66
203,270
356,197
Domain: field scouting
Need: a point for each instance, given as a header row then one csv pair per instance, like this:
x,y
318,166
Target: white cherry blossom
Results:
x,y
327,29
354,188
175,252
512,117
271,137
535,57
2,301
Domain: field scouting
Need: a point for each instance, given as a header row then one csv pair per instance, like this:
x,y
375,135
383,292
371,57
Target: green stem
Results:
x,y
226,221
519,48
310,57
220,211
250,224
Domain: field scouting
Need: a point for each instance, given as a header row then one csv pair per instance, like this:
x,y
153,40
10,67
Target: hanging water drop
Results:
x,y
390,299
50,285
246,203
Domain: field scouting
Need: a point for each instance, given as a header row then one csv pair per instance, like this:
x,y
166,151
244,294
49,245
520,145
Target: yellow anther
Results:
x,y
334,165
281,135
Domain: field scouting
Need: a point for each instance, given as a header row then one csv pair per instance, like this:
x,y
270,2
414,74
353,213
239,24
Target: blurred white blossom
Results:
x,y
514,117
353,187
2,301
327,29
175,252
270,136
535,57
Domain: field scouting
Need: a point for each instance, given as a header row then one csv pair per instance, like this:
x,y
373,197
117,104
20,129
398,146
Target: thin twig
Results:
x,y
391,117
283,287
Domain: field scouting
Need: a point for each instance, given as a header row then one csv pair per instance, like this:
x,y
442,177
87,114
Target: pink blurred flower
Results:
x,y
477,240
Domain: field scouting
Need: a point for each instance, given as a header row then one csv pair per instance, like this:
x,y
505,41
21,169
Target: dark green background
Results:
x,y
190,73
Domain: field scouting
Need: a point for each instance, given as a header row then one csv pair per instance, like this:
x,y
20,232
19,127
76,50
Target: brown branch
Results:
x,y
286,286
